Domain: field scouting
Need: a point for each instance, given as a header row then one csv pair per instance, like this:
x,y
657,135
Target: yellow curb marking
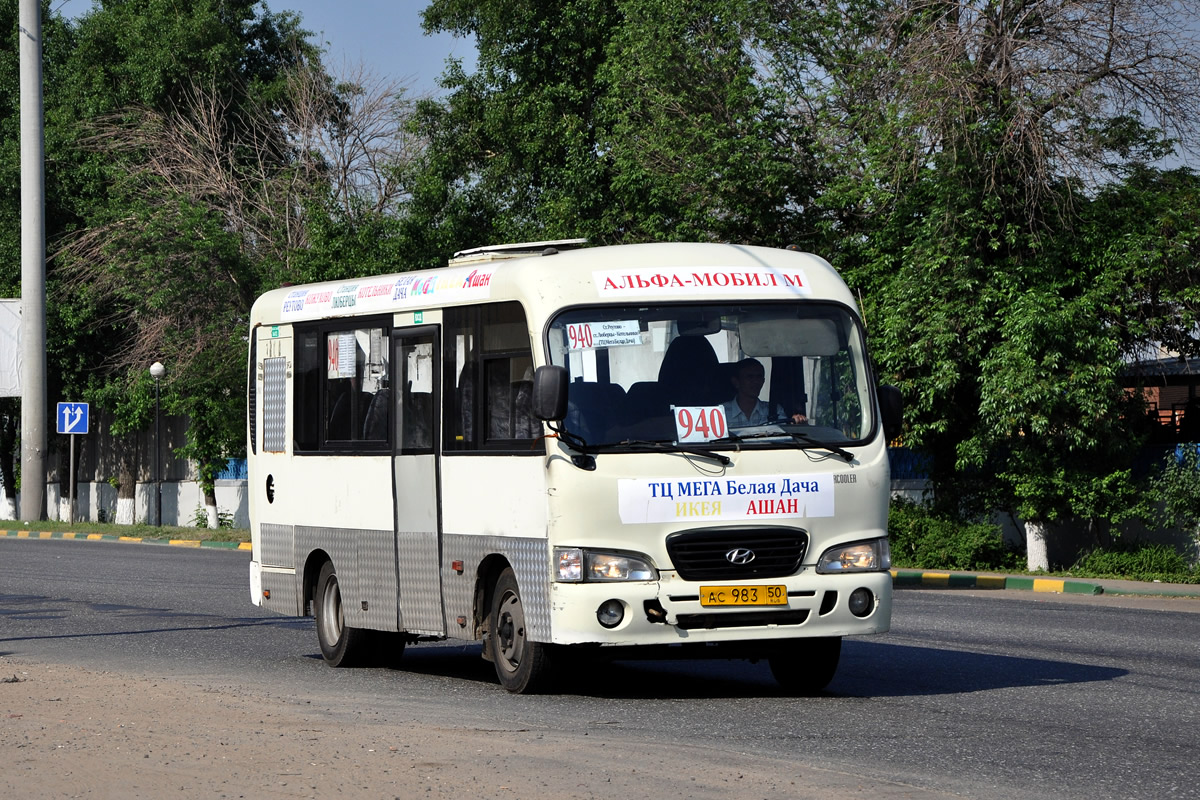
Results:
x,y
1046,585
936,579
185,542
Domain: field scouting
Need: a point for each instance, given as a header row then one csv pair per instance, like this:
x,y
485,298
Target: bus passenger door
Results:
x,y
415,407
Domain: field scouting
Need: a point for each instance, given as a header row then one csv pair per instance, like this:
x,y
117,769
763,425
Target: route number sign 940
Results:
x,y
700,423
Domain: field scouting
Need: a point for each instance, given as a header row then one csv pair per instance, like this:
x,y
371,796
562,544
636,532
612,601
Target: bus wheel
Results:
x,y
808,667
522,666
341,646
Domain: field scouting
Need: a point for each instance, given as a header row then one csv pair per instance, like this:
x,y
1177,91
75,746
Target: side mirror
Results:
x,y
550,393
891,411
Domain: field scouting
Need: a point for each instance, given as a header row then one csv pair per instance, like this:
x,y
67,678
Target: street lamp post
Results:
x,y
157,370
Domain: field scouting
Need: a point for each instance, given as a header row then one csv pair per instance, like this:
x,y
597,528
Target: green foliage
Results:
x,y
512,152
147,52
692,134
153,270
927,157
617,120
1176,485
924,539
200,519
1140,562
990,294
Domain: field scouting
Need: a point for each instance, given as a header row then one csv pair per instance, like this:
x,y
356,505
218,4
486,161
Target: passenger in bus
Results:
x,y
510,407
745,409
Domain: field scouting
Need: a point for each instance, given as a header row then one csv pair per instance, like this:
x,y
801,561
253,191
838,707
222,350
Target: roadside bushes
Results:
x,y
1137,562
921,539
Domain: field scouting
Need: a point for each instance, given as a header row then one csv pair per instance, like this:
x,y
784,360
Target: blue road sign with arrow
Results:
x,y
72,417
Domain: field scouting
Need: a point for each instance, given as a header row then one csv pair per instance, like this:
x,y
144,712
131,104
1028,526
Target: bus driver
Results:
x,y
745,409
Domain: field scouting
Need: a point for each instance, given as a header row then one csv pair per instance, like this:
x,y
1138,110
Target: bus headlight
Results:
x,y
871,556
576,565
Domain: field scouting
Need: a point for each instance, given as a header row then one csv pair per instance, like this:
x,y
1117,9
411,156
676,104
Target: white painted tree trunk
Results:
x,y
9,508
1035,546
213,522
124,511
64,509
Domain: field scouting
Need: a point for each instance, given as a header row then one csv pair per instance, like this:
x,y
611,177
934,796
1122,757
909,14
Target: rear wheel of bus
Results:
x,y
808,666
522,665
341,646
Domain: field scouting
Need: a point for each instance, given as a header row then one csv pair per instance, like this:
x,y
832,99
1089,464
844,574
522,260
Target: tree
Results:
x,y
1144,233
175,236
968,139
615,120
216,187
512,152
699,147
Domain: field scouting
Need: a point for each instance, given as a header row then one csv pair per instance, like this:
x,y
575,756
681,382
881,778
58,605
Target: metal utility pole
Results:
x,y
33,266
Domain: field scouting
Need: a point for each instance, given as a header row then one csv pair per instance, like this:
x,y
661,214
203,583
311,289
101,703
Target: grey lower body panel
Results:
x,y
365,561
386,586
530,560
420,585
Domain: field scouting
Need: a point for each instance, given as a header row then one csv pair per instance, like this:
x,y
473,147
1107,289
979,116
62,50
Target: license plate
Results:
x,y
743,595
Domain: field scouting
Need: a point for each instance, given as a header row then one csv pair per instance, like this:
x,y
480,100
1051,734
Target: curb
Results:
x,y
901,578
905,579
109,537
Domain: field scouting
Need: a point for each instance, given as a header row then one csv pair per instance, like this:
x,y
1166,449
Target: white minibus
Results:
x,y
653,450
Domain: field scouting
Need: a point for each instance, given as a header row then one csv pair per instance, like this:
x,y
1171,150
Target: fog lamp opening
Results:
x,y
861,603
611,613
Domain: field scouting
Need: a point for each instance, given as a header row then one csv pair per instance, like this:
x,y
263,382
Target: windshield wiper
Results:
x,y
811,442
671,447
808,442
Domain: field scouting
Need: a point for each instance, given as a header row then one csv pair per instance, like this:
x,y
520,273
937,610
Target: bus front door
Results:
x,y
415,471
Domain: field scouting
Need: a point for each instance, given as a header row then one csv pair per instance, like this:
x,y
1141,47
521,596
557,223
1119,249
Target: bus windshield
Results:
x,y
753,373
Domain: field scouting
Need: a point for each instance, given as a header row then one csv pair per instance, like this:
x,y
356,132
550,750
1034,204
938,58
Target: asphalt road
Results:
x,y
996,694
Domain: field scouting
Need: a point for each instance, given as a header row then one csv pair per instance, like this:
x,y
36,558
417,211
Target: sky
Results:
x,y
383,35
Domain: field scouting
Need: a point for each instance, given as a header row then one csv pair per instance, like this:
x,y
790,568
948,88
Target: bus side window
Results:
x,y
510,395
490,405
306,391
414,374
356,375
340,390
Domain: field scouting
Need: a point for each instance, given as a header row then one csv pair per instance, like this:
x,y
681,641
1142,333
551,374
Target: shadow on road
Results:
x,y
867,670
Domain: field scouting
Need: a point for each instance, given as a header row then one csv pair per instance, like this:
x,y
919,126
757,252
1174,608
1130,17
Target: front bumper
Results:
x,y
669,612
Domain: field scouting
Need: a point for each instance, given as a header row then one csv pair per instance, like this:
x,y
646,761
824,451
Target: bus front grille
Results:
x,y
734,554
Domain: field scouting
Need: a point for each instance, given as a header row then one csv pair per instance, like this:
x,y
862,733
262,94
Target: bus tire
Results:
x,y
523,666
341,645
808,666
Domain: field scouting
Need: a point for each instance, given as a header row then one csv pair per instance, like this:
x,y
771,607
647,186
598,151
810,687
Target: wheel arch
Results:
x,y
312,570
485,585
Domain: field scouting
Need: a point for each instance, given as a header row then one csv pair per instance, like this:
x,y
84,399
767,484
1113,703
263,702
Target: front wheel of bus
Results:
x,y
523,666
341,646
808,666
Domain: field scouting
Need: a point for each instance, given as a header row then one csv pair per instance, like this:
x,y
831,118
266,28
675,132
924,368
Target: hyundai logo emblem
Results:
x,y
740,555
